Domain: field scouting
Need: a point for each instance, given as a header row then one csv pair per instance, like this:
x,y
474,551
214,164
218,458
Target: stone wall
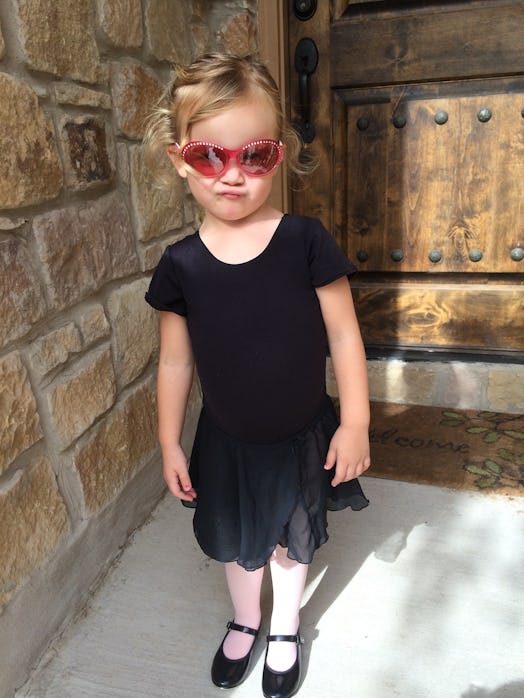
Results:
x,y
81,227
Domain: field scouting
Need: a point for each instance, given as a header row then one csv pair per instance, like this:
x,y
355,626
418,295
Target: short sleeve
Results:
x,y
327,262
165,291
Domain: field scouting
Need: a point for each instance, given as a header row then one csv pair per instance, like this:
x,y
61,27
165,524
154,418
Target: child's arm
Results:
x,y
175,376
349,448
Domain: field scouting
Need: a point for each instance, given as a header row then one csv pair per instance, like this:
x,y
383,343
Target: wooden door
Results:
x,y
418,112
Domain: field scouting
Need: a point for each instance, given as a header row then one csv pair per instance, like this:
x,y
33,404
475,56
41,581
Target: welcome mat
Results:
x,y
447,447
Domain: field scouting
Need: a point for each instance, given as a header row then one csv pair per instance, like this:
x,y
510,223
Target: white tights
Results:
x,y
288,579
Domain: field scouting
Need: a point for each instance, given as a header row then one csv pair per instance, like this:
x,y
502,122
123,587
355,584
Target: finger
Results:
x,y
189,493
187,496
185,482
338,477
173,483
344,474
179,469
331,459
362,467
180,486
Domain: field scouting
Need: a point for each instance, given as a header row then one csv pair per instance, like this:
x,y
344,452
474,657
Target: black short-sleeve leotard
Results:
x,y
256,330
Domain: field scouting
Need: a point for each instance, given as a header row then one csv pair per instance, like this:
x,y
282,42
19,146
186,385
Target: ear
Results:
x,y
173,152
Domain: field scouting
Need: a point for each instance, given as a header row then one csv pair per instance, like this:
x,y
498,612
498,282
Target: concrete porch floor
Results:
x,y
421,595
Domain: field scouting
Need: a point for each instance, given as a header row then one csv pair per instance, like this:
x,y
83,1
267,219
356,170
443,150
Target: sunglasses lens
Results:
x,y
259,158
208,160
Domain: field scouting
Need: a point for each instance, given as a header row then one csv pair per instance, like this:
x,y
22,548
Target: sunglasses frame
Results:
x,y
233,154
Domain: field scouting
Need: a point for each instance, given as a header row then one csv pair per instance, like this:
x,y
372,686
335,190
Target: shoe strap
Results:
x,y
285,638
241,628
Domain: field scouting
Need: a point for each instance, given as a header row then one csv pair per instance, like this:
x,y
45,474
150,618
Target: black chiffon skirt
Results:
x,y
251,497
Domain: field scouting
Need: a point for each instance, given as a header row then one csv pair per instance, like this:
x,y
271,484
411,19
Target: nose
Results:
x,y
232,174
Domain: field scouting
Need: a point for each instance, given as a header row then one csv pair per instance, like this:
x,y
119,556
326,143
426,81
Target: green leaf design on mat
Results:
x,y
451,423
492,437
506,455
487,415
455,416
476,470
487,477
494,467
477,430
514,434
484,482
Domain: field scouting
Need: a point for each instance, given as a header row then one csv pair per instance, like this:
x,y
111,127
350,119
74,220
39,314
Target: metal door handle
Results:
x,y
306,61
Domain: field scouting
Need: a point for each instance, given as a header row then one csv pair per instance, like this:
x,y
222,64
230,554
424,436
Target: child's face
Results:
x,y
233,195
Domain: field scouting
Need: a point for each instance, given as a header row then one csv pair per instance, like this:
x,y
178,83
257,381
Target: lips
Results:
x,y
230,194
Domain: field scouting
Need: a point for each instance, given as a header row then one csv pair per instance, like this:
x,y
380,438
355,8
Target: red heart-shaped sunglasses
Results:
x,y
256,158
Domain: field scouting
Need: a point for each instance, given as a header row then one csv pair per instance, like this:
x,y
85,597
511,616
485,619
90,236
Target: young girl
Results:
x,y
254,298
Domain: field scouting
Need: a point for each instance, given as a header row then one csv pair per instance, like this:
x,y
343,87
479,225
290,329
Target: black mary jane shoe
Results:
x,y
228,673
282,684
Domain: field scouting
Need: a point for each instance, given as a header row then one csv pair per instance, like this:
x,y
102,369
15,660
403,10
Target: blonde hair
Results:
x,y
210,85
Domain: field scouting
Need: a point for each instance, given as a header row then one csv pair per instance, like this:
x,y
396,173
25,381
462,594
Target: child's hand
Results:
x,y
349,451
176,474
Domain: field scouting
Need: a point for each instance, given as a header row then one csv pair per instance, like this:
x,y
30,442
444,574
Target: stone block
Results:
x,y
121,22
94,325
201,38
121,444
506,389
172,46
401,382
78,399
158,209
22,298
103,74
69,93
240,35
55,348
19,420
123,163
33,521
83,248
11,223
58,37
135,89
460,384
151,256
89,154
201,10
30,169
135,330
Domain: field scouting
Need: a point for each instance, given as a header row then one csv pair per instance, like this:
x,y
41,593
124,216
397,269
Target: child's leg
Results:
x,y
289,579
244,589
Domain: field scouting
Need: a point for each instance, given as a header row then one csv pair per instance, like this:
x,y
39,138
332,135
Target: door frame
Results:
x,y
272,32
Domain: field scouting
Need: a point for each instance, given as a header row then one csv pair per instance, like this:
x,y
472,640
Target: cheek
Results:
x,y
265,184
199,187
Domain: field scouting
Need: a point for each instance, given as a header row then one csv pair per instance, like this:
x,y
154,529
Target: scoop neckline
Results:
x,y
248,261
